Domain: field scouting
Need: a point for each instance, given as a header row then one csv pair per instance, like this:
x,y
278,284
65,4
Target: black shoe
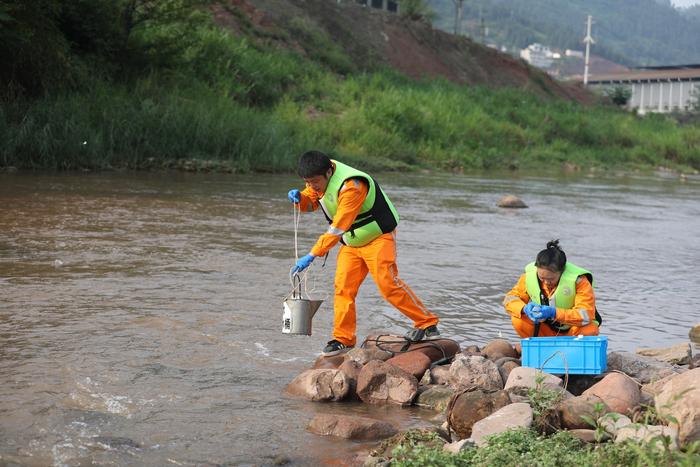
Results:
x,y
431,332
417,335
334,347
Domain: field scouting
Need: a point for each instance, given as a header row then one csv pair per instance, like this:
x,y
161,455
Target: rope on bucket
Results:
x,y
302,278
297,279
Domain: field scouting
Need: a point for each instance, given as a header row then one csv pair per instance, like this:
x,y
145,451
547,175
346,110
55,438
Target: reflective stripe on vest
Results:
x,y
377,215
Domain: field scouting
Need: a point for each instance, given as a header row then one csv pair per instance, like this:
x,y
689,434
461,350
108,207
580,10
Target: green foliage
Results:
x,y
619,95
416,10
147,82
544,402
33,51
527,448
320,47
236,68
146,126
597,422
55,45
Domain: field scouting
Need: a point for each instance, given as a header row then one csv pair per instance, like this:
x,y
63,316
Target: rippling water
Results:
x,y
140,314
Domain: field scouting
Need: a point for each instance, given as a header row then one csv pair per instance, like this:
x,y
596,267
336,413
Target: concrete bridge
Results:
x,y
656,89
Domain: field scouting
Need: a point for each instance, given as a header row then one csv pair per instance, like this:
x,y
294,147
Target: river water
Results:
x,y
140,314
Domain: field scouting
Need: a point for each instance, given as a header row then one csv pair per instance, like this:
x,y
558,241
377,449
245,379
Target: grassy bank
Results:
x,y
528,448
378,120
224,102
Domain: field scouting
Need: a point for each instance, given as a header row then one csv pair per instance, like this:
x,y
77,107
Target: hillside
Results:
x,y
629,32
122,84
374,39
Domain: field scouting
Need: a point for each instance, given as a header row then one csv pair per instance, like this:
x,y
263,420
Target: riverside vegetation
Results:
x,y
139,84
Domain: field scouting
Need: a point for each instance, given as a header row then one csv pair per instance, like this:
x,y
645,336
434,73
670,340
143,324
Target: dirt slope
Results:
x,y
374,38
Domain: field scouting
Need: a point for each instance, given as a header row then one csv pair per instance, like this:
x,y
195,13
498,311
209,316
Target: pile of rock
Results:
x,y
481,392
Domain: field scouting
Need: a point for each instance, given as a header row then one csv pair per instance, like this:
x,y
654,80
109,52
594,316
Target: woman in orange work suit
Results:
x,y
553,298
363,219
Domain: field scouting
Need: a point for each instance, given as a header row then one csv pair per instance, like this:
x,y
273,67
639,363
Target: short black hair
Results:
x,y
552,257
313,163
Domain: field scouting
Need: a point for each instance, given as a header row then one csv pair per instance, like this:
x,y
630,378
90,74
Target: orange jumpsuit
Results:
x,y
584,305
378,258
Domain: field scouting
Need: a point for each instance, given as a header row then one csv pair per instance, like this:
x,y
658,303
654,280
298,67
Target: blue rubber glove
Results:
x,y
303,263
548,312
294,196
539,313
533,311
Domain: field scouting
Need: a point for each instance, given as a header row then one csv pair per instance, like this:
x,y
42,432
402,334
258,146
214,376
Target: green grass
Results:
x,y
143,127
526,448
226,103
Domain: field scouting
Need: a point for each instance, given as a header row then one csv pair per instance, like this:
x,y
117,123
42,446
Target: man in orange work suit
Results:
x,y
363,219
553,298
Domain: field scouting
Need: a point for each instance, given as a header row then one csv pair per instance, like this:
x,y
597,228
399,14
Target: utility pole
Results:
x,y
458,16
588,40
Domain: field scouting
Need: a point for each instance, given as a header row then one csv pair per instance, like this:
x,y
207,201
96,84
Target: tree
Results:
x,y
51,44
417,10
619,95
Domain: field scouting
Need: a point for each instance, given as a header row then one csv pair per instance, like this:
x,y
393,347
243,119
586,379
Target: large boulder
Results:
x,y
510,417
679,399
474,370
440,374
351,427
505,366
435,397
320,385
522,379
380,383
679,354
647,434
359,355
332,362
574,411
618,391
499,348
415,363
352,370
436,349
643,369
511,201
612,422
469,406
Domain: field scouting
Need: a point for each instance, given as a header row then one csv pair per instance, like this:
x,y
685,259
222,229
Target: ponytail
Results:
x,y
552,257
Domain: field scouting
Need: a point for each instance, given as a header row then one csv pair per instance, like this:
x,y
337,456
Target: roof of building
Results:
x,y
656,73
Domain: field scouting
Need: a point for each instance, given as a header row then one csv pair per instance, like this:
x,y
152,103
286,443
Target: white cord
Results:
x,y
296,217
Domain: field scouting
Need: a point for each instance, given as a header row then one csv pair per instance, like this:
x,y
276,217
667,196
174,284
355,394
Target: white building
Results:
x,y
537,55
656,89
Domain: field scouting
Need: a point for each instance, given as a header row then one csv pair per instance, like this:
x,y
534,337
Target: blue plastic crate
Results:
x,y
585,355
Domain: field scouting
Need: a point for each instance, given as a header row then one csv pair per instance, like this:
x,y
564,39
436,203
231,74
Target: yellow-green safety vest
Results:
x,y
377,215
565,293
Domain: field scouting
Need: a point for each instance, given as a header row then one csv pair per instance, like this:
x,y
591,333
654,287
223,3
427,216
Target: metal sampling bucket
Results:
x,y
298,312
